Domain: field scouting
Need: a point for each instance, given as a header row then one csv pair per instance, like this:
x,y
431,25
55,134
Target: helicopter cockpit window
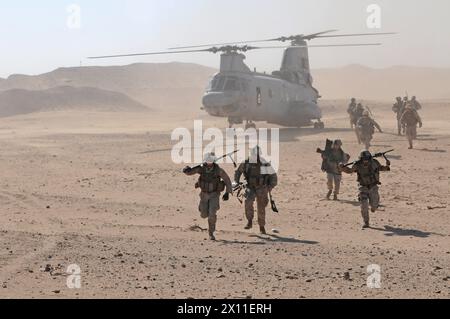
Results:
x,y
232,84
218,84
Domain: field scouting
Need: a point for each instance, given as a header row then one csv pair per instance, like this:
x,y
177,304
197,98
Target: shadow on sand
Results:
x,y
431,151
278,239
239,242
350,202
392,231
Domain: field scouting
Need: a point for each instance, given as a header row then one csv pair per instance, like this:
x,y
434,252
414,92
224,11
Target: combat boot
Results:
x,y
263,230
335,197
366,226
329,195
211,236
249,226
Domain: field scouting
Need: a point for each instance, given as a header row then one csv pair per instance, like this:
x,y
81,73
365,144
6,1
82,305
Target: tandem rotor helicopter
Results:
x,y
286,97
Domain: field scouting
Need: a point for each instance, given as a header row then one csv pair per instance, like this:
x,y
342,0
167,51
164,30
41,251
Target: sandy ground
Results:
x,y
99,190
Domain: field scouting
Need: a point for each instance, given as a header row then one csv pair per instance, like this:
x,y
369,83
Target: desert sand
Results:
x,y
99,189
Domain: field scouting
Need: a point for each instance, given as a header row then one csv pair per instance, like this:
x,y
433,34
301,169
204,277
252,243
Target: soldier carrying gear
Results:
x,y
410,119
261,179
358,114
332,159
212,182
368,170
366,128
398,109
351,112
415,104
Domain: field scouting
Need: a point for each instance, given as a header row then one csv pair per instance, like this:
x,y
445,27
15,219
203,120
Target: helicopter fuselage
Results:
x,y
251,96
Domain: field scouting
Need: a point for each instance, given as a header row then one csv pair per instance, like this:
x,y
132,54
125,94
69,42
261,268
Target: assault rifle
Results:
x,y
377,155
217,160
239,190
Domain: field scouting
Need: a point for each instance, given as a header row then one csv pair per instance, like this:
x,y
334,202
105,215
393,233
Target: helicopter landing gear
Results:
x,y
319,125
249,125
234,121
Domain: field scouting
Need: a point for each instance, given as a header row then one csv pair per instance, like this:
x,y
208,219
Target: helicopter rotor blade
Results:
x,y
220,44
320,46
233,49
310,36
314,35
354,35
148,53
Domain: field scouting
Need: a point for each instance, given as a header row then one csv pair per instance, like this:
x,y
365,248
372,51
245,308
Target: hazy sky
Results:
x,y
35,37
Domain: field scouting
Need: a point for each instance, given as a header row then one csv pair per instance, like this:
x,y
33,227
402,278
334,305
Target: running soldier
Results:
x,y
415,104
366,128
261,179
212,182
358,114
368,170
351,112
398,109
332,160
410,119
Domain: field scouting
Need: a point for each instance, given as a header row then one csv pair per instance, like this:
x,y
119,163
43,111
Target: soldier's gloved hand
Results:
x,y
420,125
226,197
234,184
187,169
388,162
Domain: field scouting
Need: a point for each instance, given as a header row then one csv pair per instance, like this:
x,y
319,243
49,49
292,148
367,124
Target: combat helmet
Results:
x,y
210,158
365,156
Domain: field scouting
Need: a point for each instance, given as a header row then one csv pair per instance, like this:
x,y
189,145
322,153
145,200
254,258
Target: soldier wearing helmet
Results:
x,y
332,158
351,112
366,128
368,170
398,109
410,118
261,179
415,104
358,114
212,182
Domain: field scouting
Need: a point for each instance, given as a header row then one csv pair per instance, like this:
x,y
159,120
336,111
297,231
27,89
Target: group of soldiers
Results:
x,y
367,168
363,123
260,179
407,118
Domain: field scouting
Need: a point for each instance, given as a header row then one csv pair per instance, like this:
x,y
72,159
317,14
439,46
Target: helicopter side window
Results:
x,y
258,96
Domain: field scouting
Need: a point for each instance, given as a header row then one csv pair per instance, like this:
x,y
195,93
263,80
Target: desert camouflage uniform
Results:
x,y
366,127
334,175
415,104
369,180
351,112
357,115
399,108
410,119
261,179
212,182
